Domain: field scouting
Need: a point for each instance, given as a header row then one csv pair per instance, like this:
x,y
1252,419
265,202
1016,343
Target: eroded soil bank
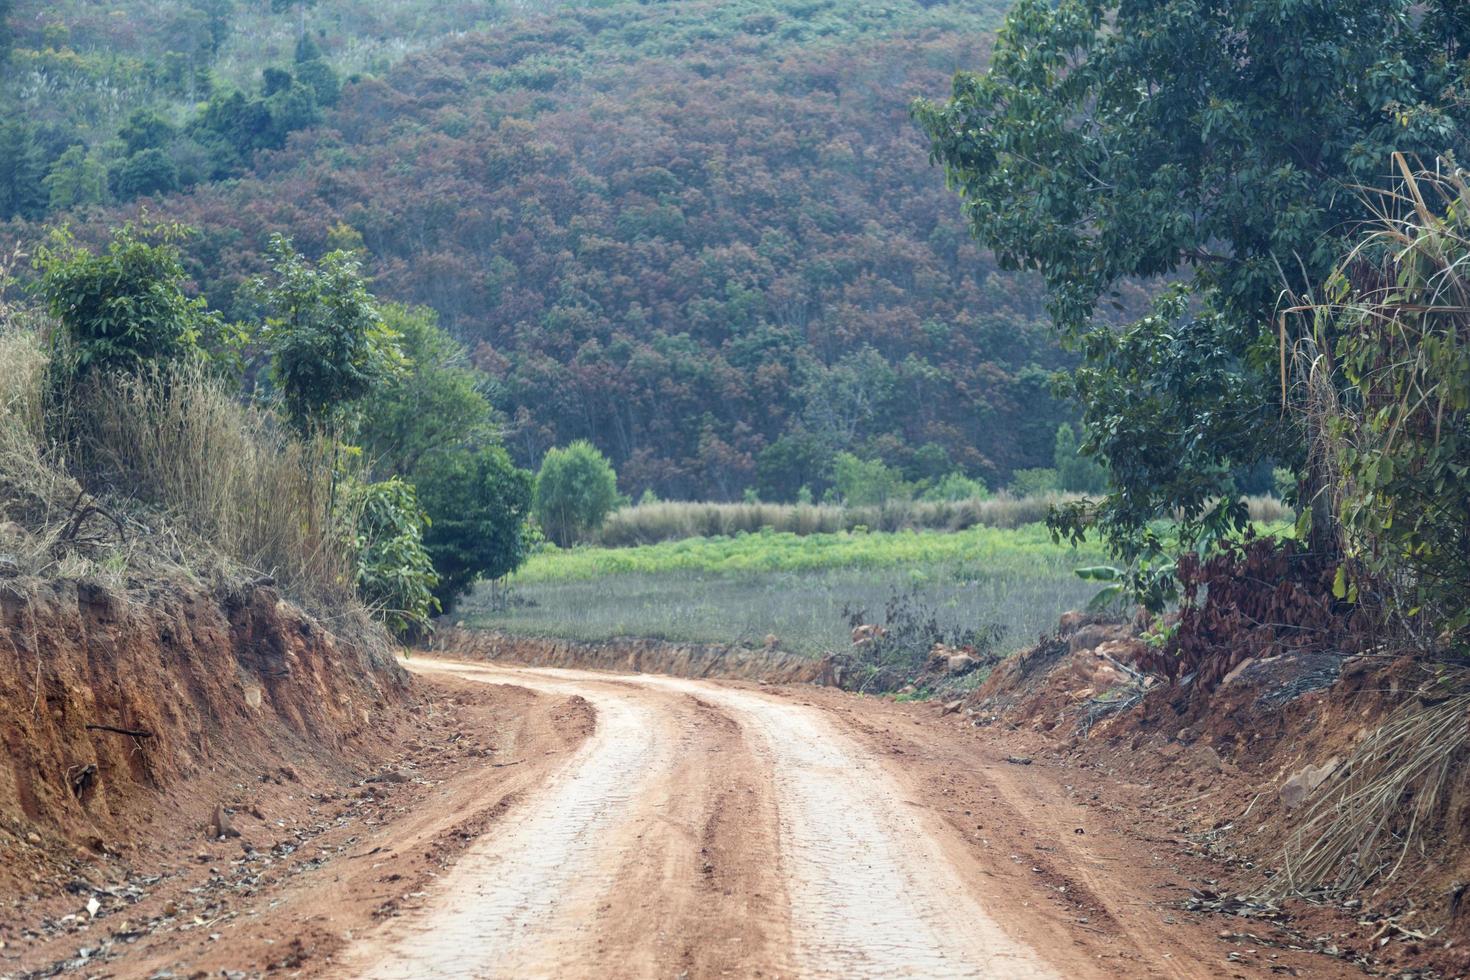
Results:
x,y
136,727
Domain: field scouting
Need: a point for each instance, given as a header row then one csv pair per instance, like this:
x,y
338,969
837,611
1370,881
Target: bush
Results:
x,y
477,502
1035,482
576,488
955,487
1400,432
328,342
394,574
124,308
868,482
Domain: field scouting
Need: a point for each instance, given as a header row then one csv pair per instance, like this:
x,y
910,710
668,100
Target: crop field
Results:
x,y
742,588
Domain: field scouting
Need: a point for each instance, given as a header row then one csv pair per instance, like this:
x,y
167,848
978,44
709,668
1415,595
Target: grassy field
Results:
x,y
741,588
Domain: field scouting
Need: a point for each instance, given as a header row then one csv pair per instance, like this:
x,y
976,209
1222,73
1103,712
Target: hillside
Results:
x,y
704,236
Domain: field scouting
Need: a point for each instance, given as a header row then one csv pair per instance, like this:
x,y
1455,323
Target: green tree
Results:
x,y
957,486
1076,473
1210,142
327,340
1035,481
434,403
122,308
867,482
313,71
146,130
147,172
395,576
22,166
75,179
576,488
478,503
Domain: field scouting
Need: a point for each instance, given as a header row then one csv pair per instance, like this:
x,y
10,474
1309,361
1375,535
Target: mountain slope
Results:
x,y
704,235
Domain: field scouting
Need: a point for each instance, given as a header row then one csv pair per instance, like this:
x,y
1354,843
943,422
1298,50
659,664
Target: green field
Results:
x,y
739,589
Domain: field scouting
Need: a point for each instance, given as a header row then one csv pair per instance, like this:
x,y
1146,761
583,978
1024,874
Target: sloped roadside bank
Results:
x,y
1249,773
139,727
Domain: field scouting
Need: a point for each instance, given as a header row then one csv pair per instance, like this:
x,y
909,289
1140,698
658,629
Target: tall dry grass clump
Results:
x,y
175,440
164,472
675,520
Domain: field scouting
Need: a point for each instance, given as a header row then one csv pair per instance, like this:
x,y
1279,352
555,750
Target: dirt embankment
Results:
x,y
1259,773
635,656
128,718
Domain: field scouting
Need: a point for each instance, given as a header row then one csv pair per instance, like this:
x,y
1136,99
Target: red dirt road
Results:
x,y
557,823
709,829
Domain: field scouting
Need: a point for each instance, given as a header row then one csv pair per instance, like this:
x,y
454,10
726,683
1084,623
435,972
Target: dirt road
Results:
x,y
553,823
706,829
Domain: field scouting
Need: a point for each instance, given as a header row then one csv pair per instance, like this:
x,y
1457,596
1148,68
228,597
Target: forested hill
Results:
x,y
704,235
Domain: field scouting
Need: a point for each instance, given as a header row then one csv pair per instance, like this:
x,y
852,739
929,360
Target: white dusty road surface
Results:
x,y
701,830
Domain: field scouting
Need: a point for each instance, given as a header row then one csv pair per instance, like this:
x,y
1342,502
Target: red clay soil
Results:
x,y
128,721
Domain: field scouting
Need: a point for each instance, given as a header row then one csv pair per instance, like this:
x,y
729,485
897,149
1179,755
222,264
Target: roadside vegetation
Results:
x,y
141,434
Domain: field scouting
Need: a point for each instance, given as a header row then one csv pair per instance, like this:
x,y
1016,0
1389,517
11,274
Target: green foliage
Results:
x,y
435,402
1092,150
1033,482
1401,435
1076,473
478,503
868,482
145,130
957,486
146,172
395,576
22,165
125,307
75,179
576,488
328,343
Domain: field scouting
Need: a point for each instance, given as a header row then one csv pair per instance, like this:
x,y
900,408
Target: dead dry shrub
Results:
x,y
1383,806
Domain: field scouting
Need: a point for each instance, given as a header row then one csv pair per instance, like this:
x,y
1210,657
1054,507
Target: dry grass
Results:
x,y
1383,806
164,476
230,474
677,520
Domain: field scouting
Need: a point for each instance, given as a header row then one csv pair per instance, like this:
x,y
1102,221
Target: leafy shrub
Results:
x,y
867,482
1401,431
123,308
395,575
328,342
956,486
1034,482
477,502
576,489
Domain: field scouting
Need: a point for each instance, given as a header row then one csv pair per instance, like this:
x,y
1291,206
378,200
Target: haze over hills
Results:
x,y
705,236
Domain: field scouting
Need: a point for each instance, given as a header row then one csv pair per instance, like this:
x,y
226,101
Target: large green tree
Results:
x,y
435,403
1213,144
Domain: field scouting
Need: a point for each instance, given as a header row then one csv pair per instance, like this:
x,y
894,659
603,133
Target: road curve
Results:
x,y
701,830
